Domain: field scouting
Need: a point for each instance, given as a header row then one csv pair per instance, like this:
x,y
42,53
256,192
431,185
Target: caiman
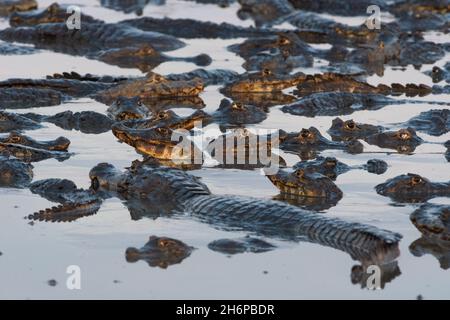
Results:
x,y
15,173
57,37
412,188
403,140
332,167
262,82
236,113
18,97
9,6
341,130
12,121
344,103
305,183
89,122
172,191
344,83
160,252
240,245
152,86
312,139
438,249
59,144
30,154
127,109
433,221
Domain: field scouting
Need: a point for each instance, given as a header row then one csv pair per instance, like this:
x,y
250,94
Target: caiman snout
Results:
x,y
122,133
104,176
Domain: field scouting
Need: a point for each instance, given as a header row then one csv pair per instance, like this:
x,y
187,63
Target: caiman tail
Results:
x,y
273,218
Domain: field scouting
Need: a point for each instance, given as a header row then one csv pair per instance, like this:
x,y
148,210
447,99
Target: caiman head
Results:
x,y
169,119
160,252
263,81
239,113
52,14
412,188
349,129
329,166
403,140
159,142
433,221
302,183
127,109
312,138
59,144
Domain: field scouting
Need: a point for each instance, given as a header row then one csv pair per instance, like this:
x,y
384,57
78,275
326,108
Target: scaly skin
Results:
x,y
336,82
344,130
240,245
8,49
412,188
9,6
432,220
127,6
152,86
59,144
15,173
311,139
160,252
263,11
30,154
235,113
208,77
52,14
145,58
170,190
343,8
12,121
303,183
57,37
127,109
403,140
262,82
189,28
169,119
433,122
89,122
20,97
157,142
343,103
332,167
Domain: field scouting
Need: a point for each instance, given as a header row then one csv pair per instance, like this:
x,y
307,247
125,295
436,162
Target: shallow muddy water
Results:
x,y
34,254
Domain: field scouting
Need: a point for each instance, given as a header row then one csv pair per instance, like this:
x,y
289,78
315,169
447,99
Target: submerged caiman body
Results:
x,y
169,191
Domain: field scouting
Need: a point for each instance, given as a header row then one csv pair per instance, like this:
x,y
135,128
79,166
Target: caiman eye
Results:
x,y
404,135
139,103
266,72
350,125
299,173
163,243
118,102
381,45
237,105
416,180
305,133
435,70
15,139
162,115
283,41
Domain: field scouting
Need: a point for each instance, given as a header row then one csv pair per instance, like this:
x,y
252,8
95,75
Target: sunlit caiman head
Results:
x,y
412,188
157,142
59,144
263,81
52,14
169,119
349,129
403,140
160,252
433,221
8,7
127,109
305,184
312,139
